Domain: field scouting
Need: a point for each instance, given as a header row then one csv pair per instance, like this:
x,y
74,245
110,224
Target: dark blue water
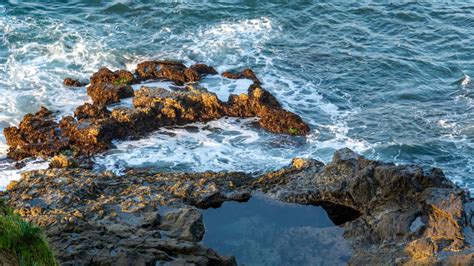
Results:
x,y
265,232
391,81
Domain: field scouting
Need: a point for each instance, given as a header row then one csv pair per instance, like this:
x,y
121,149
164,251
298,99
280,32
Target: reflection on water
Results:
x,y
265,232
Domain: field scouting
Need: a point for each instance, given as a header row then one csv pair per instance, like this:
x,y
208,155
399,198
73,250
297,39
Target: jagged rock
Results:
x,y
244,74
73,83
93,127
400,211
203,69
88,110
87,136
36,135
168,70
180,107
62,161
119,77
261,103
408,215
78,206
184,223
106,93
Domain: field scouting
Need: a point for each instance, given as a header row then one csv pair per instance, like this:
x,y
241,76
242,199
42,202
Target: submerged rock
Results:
x,y
408,215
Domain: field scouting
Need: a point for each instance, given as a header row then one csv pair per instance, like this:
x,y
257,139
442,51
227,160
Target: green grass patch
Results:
x,y
23,240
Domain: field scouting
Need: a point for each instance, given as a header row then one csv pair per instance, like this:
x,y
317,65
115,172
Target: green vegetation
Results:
x,y
23,240
121,81
293,131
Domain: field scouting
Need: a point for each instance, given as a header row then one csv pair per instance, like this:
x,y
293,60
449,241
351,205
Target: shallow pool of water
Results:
x,y
267,232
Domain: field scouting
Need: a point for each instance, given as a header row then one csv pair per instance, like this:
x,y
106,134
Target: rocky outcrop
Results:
x,y
170,70
36,135
93,126
138,219
409,215
107,76
106,93
203,69
244,74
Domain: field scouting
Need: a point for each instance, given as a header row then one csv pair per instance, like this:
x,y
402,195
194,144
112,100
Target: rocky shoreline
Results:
x,y
407,215
391,214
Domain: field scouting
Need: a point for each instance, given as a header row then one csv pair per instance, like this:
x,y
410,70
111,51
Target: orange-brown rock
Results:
x,y
87,136
119,77
93,127
36,135
244,74
173,71
259,102
107,93
88,110
180,107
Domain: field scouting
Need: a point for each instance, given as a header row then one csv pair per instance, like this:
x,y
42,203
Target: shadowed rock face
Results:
x,y
408,215
93,127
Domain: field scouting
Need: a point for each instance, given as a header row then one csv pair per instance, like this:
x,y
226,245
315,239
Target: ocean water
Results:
x,y
390,81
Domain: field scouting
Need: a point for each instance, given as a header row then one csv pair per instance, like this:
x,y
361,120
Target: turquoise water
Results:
x,y
390,81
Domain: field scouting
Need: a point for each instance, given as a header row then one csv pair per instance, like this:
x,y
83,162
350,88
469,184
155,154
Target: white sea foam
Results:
x,y
8,173
223,87
465,81
228,144
225,144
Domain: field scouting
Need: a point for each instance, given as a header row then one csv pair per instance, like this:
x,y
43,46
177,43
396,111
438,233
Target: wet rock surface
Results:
x,y
407,214
106,93
70,82
171,70
244,74
138,219
93,126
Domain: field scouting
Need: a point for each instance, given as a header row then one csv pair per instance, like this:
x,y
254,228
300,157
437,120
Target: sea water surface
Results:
x,y
390,81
